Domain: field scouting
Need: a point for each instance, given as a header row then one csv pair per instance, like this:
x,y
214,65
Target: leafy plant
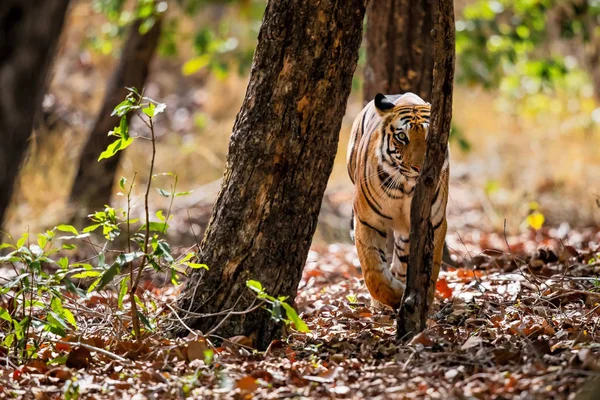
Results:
x,y
276,305
37,302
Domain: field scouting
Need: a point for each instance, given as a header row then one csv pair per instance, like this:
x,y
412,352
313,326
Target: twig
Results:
x,y
94,348
213,330
181,321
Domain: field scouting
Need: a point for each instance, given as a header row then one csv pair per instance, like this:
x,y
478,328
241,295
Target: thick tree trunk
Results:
x,y
412,317
399,44
29,33
280,156
94,181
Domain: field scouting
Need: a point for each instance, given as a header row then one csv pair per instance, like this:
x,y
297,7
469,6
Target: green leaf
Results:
x,y
91,228
67,228
123,286
292,315
164,193
160,215
86,274
164,250
6,245
58,360
107,276
63,262
197,266
123,107
68,315
124,127
74,289
150,110
22,240
42,240
122,183
114,147
145,321
56,305
178,194
195,64
9,340
254,285
155,227
128,257
68,246
57,324
133,89
5,315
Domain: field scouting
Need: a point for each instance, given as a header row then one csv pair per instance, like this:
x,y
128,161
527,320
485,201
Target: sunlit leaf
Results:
x,y
196,266
195,64
254,285
114,147
292,315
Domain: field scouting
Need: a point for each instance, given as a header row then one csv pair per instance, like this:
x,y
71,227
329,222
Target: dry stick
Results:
x,y
246,311
524,263
134,286
96,349
412,316
181,321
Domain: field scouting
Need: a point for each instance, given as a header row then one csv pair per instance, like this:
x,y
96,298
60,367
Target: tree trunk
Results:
x,y
399,44
94,181
400,53
29,33
280,156
412,317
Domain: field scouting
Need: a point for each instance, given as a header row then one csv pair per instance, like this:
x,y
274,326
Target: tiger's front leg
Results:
x,y
371,249
401,250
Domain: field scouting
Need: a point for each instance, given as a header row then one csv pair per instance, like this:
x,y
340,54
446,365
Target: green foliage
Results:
x,y
41,300
276,305
496,39
220,47
506,43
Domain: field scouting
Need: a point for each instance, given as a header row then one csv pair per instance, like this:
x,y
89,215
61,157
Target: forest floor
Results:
x,y
517,318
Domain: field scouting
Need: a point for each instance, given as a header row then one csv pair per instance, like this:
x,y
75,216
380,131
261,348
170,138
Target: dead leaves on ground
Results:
x,y
505,325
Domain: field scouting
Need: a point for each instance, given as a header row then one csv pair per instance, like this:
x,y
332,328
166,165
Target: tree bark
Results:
x,y
400,54
92,187
399,44
280,156
412,316
29,33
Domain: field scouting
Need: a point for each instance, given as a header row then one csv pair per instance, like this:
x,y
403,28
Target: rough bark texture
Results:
x,y
29,32
280,156
399,43
412,316
400,53
93,183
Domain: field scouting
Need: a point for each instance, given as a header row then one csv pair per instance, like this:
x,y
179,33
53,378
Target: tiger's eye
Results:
x,y
401,136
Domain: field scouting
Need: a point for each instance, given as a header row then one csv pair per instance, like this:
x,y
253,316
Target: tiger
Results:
x,y
385,156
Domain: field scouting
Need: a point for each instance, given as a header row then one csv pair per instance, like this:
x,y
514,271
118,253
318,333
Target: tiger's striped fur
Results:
x,y
385,154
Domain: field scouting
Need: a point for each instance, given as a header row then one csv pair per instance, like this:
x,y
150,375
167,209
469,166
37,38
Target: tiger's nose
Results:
x,y
416,168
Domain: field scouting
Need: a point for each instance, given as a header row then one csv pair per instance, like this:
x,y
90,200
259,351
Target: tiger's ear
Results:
x,y
382,104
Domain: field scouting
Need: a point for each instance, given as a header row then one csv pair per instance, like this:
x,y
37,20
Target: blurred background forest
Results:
x,y
526,120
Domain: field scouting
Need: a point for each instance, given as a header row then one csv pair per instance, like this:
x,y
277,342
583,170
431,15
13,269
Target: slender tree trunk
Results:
x,y
280,156
412,317
94,181
400,54
29,33
399,44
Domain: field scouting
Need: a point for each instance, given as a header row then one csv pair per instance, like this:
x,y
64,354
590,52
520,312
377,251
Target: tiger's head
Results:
x,y
404,128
